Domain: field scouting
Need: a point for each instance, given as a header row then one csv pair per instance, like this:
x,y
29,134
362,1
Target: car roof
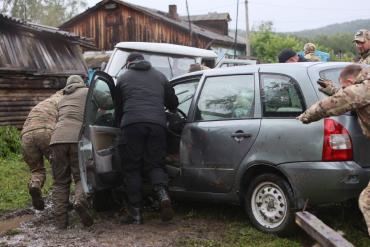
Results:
x,y
265,67
165,48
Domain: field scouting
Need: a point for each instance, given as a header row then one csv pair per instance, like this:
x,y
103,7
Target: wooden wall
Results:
x,y
108,27
19,93
32,67
217,26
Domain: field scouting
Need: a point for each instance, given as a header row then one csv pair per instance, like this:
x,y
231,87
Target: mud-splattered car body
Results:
x,y
241,143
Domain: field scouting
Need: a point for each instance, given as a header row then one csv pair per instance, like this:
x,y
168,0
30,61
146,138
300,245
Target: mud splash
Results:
x,y
12,223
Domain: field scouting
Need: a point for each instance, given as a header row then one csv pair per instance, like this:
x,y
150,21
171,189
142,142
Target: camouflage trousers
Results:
x,y
364,204
64,160
35,146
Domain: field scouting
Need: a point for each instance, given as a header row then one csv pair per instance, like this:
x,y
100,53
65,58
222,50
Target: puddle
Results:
x,y
8,224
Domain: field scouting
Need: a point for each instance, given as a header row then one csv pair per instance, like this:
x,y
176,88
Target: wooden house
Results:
x,y
113,21
213,21
35,61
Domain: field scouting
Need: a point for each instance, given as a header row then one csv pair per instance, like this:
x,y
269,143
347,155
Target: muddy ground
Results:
x,y
37,230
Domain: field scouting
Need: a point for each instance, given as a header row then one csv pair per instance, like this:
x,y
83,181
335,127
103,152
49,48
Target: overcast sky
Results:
x,y
287,15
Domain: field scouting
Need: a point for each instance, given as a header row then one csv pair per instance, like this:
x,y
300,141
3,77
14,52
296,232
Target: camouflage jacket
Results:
x,y
352,98
71,109
365,58
43,115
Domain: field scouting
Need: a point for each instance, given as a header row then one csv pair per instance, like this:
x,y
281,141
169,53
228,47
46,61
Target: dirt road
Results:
x,y
38,230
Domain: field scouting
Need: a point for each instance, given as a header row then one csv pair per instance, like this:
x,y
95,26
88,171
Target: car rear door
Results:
x,y
221,129
96,143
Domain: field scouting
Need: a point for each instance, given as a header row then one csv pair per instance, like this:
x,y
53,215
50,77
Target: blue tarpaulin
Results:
x,y
324,56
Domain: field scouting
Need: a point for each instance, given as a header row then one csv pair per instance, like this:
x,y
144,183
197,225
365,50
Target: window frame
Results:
x,y
296,86
204,80
186,81
98,75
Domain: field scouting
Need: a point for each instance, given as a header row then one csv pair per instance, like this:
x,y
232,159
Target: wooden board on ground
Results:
x,y
317,229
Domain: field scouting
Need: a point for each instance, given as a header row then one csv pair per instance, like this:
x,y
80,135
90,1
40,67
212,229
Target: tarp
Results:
x,y
324,56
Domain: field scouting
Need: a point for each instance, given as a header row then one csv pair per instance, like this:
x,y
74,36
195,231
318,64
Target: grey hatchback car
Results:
x,y
240,142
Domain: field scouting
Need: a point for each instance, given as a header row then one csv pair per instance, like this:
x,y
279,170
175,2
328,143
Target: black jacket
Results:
x,y
141,95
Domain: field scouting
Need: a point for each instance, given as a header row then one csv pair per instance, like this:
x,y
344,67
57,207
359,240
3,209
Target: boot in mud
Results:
x,y
132,216
167,212
84,215
36,195
61,222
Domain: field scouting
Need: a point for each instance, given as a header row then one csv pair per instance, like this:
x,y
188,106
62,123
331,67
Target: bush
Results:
x,y
10,141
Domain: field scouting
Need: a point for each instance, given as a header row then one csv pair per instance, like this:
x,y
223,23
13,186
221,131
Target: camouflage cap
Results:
x,y
362,35
309,47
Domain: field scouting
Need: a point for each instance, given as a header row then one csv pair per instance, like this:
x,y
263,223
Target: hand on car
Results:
x,y
326,86
303,118
324,82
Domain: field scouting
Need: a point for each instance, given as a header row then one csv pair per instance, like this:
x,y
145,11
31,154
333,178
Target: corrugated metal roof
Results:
x,y
33,27
162,16
212,16
32,49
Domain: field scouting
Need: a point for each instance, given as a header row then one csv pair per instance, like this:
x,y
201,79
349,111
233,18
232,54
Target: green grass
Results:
x,y
14,176
239,231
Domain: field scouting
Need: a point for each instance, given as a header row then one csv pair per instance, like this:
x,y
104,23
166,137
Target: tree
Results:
x,y
46,12
266,44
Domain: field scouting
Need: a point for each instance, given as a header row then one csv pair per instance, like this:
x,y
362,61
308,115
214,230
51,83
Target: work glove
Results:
x,y
326,86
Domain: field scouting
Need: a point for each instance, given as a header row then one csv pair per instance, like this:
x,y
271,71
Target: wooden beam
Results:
x,y
317,229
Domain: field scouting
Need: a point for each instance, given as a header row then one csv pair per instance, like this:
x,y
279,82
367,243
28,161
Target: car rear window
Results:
x,y
280,96
331,74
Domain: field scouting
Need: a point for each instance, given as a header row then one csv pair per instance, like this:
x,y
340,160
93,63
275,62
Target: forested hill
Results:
x,y
346,27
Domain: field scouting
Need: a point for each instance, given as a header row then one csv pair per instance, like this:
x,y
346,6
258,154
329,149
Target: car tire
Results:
x,y
269,204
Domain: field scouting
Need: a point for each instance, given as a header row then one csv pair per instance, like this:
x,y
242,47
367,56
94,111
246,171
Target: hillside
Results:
x,y
345,27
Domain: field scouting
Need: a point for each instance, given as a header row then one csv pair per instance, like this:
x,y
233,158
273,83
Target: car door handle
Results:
x,y
240,135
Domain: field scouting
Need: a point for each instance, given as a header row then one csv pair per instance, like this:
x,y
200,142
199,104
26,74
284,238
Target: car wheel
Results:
x,y
269,204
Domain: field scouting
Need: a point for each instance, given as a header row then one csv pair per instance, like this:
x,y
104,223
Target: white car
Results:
x,y
172,60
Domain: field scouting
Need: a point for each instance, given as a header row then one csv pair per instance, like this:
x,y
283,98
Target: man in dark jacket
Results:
x,y
64,156
142,93
289,56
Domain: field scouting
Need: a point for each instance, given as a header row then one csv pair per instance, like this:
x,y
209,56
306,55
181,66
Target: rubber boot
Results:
x,y
36,195
61,221
167,212
132,216
84,215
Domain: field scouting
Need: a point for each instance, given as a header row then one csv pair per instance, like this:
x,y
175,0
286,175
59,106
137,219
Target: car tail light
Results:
x,y
337,142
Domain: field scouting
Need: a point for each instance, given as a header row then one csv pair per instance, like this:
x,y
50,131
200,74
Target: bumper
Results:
x,y
325,182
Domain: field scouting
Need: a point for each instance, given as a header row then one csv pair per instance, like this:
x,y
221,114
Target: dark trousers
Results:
x,y
64,160
143,149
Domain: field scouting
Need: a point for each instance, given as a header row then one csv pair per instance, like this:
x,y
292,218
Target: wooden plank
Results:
x,y
319,231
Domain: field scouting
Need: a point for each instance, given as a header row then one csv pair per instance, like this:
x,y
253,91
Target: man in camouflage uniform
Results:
x,y
353,96
64,153
35,135
309,52
362,41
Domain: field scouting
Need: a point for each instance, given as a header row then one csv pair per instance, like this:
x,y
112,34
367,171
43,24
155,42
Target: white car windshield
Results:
x,y
170,65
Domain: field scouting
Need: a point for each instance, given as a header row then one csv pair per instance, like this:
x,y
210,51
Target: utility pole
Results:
x,y
190,30
236,28
247,39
